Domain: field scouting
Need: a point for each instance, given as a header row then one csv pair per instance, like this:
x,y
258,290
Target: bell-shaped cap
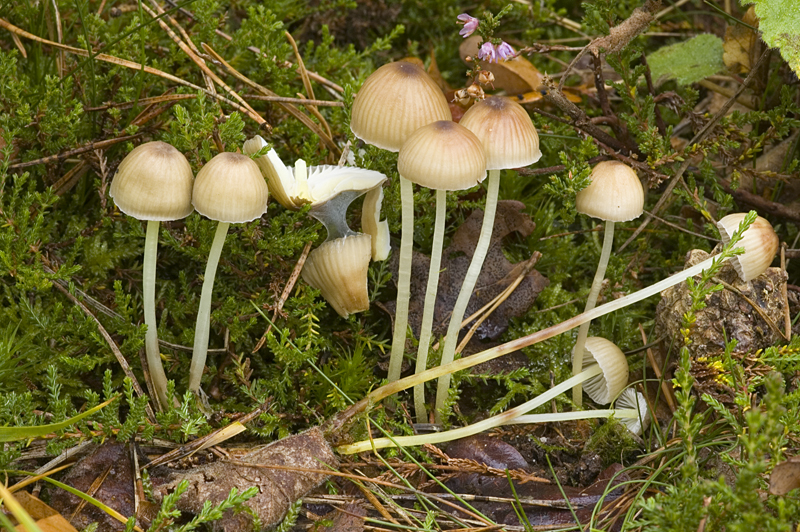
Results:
x,y
230,188
614,195
760,244
604,387
506,131
154,182
394,101
338,268
631,399
443,156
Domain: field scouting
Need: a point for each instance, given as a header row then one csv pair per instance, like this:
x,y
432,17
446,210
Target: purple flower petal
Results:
x,y
488,52
470,24
505,51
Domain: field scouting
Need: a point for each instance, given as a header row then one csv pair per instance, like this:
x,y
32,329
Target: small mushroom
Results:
x,y
394,101
442,156
614,195
229,189
153,183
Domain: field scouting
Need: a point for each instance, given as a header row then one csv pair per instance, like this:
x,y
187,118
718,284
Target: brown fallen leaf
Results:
x,y
46,517
741,46
515,76
277,489
349,518
785,477
497,273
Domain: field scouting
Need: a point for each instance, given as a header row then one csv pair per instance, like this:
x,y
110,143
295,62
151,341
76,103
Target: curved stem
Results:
x,y
430,302
524,341
619,413
467,288
154,365
591,301
403,280
475,428
204,312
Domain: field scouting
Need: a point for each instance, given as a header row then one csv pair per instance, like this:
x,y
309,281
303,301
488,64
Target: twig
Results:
x,y
787,318
298,101
648,78
666,389
762,204
92,146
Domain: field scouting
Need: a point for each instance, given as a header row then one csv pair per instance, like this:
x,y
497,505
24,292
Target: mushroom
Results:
x,y
606,374
153,183
393,102
338,268
229,189
510,141
442,156
614,195
758,242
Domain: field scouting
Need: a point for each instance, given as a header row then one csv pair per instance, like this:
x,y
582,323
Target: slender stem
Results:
x,y
475,428
403,280
619,413
430,302
526,341
467,288
154,365
204,312
591,301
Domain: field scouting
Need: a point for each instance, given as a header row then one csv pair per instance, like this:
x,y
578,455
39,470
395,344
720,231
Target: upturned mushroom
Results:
x,y
228,189
386,122
509,140
614,195
442,156
153,183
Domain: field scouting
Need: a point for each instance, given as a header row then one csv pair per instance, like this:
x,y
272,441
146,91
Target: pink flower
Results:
x,y
470,25
488,52
505,51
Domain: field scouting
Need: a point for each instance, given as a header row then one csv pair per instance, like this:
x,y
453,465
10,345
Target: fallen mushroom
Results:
x,y
153,183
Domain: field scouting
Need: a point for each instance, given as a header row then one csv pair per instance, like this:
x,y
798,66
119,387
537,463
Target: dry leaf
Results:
x,y
515,76
46,517
740,49
785,477
497,274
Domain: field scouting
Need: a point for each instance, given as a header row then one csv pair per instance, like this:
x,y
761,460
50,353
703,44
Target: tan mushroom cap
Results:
x,y
230,188
338,268
443,156
606,386
506,131
760,244
154,182
396,100
615,194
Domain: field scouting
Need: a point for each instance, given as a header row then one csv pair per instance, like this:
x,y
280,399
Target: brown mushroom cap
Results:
x,y
615,194
154,182
443,156
506,131
396,100
230,188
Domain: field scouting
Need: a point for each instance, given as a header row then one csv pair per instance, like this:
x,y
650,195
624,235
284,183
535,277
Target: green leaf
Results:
x,y
24,433
780,28
689,61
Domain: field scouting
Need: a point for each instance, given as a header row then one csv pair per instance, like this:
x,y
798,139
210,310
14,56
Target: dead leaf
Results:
x,y
741,48
107,475
515,76
349,518
278,489
46,517
785,477
497,273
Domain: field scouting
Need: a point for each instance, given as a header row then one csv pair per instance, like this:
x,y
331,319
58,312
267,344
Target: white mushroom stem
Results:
x,y
201,331
154,365
531,339
475,428
430,302
403,280
468,287
591,301
619,413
